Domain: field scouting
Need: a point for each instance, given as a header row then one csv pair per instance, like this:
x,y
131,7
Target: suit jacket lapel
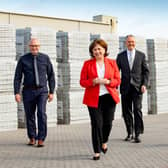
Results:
x,y
95,68
135,59
105,66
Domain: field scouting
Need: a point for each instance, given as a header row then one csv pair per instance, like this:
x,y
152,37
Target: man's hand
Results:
x,y
143,88
18,98
50,97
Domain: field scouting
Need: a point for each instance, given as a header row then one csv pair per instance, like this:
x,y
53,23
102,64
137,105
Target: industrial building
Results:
x,y
100,23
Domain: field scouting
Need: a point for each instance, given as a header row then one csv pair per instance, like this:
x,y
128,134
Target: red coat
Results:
x,y
89,72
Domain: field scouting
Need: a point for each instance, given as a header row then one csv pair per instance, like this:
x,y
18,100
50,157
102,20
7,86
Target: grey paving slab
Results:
x,y
69,146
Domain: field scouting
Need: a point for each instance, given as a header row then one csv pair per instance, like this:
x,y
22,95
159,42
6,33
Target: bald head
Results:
x,y
34,46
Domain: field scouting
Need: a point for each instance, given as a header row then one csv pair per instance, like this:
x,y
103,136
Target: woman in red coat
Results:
x,y
100,77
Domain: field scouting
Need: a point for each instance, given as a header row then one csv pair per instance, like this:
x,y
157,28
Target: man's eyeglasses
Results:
x,y
34,45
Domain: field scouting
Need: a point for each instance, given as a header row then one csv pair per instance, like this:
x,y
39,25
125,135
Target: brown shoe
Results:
x,y
40,143
32,142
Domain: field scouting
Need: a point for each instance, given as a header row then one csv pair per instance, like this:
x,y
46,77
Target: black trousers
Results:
x,y
101,121
132,114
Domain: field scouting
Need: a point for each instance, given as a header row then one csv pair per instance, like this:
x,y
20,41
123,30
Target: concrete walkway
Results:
x,y
69,146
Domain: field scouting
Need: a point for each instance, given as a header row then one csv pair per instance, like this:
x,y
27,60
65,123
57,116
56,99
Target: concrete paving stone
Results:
x,y
69,146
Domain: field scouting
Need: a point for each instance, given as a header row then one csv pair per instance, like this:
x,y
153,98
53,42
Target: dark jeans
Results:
x,y
132,114
36,99
101,121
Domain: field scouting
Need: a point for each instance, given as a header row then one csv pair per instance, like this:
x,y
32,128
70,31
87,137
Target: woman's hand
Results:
x,y
103,81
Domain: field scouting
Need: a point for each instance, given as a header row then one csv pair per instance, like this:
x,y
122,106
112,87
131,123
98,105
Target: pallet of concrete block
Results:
x,y
161,73
145,104
70,107
51,110
7,70
72,46
141,44
150,50
63,113
161,49
112,41
7,42
8,112
69,74
21,115
78,111
63,75
118,111
162,99
75,70
122,45
19,43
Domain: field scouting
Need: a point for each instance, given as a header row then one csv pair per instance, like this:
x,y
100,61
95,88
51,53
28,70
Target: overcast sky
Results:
x,y
148,18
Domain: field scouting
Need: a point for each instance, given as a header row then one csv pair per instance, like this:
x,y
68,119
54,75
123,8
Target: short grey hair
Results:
x,y
130,35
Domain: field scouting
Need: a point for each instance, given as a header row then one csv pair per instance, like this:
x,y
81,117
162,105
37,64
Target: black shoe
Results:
x,y
96,157
137,140
104,150
129,138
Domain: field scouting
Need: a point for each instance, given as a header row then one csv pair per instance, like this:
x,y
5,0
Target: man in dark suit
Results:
x,y
37,70
134,80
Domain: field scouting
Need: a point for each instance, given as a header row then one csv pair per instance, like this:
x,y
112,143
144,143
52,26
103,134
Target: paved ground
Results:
x,y
70,147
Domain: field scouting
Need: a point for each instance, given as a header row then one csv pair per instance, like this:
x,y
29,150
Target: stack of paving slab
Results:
x,y
122,45
152,95
160,53
72,51
8,106
47,38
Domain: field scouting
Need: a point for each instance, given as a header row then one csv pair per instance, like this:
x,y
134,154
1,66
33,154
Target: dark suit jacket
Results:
x,y
139,74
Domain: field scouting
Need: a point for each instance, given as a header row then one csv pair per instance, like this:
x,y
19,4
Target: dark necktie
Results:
x,y
36,71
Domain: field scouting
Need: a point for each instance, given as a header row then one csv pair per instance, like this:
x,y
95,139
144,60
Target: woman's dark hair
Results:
x,y
100,42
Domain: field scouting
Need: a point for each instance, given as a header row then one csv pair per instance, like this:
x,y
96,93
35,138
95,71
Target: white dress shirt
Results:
x,y
129,55
100,72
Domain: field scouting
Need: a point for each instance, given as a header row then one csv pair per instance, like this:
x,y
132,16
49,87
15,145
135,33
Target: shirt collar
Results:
x,y
133,52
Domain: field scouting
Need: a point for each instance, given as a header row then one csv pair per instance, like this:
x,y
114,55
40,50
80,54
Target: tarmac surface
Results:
x,y
69,146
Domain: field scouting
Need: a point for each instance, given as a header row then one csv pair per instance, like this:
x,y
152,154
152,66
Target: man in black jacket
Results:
x,y
36,70
134,80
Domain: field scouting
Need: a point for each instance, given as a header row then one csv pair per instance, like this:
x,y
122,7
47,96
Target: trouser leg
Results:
x,y
96,128
41,116
108,108
138,116
126,100
30,108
